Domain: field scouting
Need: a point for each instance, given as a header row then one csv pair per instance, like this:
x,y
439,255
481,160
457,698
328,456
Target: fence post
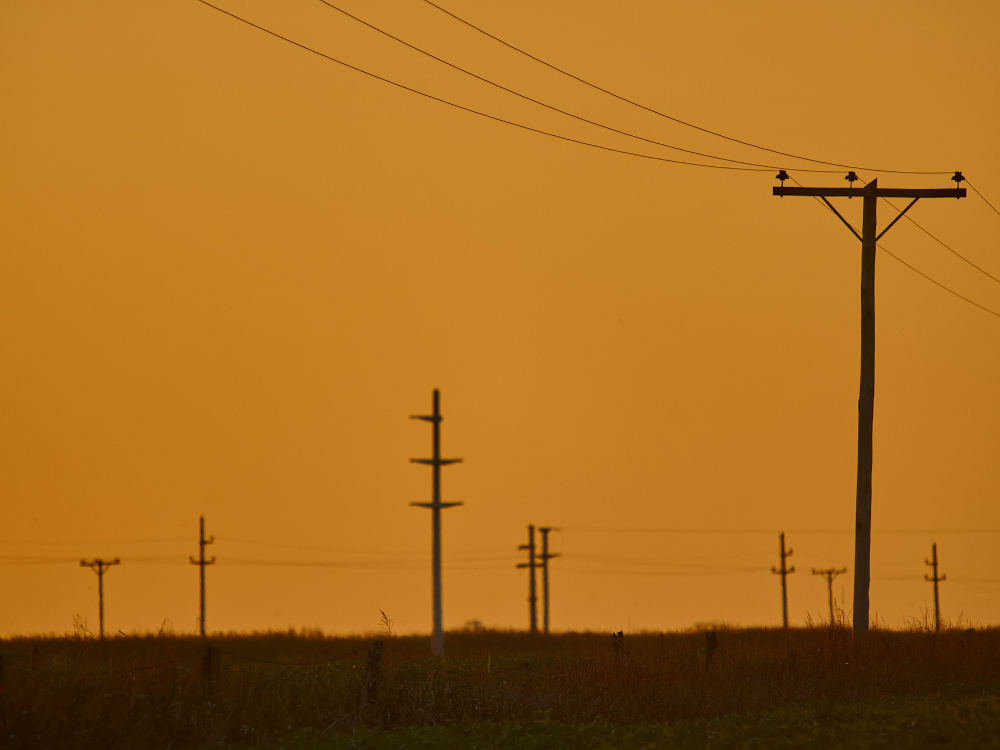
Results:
x,y
369,690
209,665
711,644
618,641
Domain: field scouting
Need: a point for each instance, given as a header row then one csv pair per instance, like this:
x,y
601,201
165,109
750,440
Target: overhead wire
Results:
x,y
664,114
983,197
339,550
659,573
710,531
462,107
938,240
540,103
915,269
65,542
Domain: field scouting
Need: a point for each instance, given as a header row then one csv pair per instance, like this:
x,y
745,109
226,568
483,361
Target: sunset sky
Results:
x,y
230,269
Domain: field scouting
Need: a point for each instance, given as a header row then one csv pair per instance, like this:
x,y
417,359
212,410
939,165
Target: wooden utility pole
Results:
x,y
201,562
99,566
531,565
933,563
545,557
830,574
866,398
784,572
435,506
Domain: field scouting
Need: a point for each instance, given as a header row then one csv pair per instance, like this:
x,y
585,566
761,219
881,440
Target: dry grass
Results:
x,y
151,691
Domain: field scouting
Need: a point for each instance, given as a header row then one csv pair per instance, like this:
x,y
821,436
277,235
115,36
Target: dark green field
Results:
x,y
763,688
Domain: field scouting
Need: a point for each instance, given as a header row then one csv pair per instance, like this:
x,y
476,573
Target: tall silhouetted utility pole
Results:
x,y
99,567
784,572
201,562
866,399
435,507
933,563
545,557
531,565
830,574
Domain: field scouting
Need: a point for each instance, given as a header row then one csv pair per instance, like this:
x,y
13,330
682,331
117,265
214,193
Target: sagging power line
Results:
x,y
435,506
100,566
512,123
625,152
664,114
550,107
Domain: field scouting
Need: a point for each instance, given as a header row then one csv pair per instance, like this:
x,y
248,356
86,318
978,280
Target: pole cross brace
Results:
x,y
435,461
435,505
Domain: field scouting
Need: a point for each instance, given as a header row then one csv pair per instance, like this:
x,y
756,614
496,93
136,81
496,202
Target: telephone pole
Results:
x,y
830,574
866,399
545,557
201,562
99,566
531,565
933,563
784,572
435,507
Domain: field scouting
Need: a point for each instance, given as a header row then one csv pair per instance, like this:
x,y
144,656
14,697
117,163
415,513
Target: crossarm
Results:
x,y
879,192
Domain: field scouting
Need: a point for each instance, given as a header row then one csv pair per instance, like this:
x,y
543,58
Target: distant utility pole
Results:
x,y
531,565
435,506
866,398
99,567
933,563
830,574
201,562
545,557
784,572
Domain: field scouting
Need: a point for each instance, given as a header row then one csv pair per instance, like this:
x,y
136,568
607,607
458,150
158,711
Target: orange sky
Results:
x,y
229,271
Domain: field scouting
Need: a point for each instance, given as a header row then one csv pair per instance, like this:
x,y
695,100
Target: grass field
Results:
x,y
955,719
811,687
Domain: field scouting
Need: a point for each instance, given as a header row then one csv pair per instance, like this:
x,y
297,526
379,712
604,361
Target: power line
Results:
x,y
662,574
663,114
480,113
983,197
913,268
709,531
61,542
938,283
942,243
549,106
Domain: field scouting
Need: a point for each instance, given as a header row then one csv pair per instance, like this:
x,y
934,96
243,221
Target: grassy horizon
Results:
x,y
260,689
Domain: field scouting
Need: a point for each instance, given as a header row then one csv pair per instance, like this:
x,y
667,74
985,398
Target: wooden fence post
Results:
x,y
210,665
369,691
711,644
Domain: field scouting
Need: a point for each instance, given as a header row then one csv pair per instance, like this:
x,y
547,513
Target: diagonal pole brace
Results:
x,y
898,217
846,222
